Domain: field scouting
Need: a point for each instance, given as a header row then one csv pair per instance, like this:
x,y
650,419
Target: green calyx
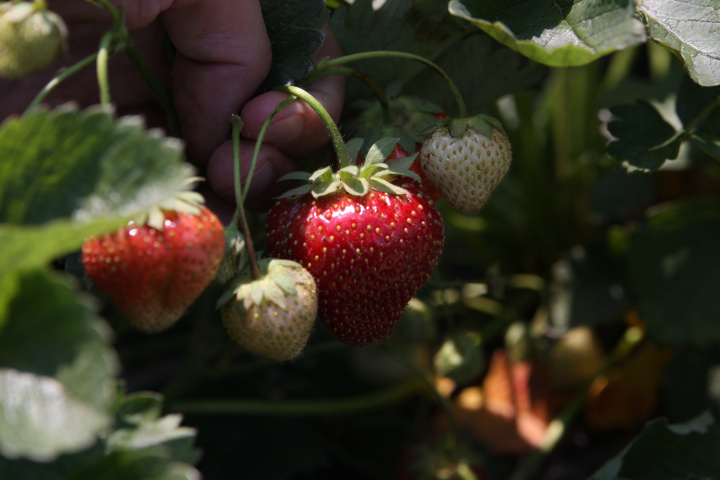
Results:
x,y
186,201
279,279
482,124
373,174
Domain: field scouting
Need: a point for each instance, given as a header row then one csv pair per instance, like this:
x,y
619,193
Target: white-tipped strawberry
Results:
x,y
31,38
273,316
466,159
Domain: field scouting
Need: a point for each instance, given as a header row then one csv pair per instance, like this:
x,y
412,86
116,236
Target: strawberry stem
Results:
x,y
258,142
103,57
240,209
333,131
335,62
352,72
62,74
156,87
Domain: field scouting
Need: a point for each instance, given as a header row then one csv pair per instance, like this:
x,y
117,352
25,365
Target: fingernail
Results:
x,y
261,179
284,130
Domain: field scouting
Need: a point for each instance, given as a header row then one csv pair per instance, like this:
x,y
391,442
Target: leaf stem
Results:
x,y
240,208
62,74
335,135
158,89
335,62
327,407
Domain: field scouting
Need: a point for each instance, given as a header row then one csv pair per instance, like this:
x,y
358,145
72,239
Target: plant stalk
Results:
x,y
336,62
61,75
240,208
335,135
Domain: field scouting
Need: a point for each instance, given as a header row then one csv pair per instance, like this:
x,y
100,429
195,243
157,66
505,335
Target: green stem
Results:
x,y
115,13
363,77
258,143
240,208
690,127
335,62
326,407
557,428
335,135
158,89
61,75
103,56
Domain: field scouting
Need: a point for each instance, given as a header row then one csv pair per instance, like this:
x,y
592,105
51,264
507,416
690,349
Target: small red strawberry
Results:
x,y
466,159
369,249
153,273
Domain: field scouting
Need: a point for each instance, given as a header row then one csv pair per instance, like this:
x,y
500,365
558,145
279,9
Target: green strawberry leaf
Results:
x,y
664,451
293,28
643,139
571,34
141,445
700,107
303,176
73,173
674,268
503,72
691,29
56,368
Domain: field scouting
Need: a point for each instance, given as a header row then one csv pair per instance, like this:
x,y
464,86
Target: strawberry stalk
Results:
x,y
61,75
158,89
103,57
328,65
366,79
240,209
335,135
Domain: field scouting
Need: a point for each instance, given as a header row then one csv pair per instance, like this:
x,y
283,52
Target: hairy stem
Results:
x,y
335,135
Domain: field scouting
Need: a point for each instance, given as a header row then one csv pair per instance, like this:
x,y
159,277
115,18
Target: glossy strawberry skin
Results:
x,y
369,255
152,276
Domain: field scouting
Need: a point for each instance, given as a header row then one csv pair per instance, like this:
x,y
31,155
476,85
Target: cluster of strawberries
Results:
x,y
352,248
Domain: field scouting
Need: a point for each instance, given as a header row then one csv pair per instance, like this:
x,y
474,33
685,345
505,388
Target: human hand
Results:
x,y
223,54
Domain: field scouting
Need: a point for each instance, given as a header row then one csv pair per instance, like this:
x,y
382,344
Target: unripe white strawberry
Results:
x,y
31,38
466,159
273,316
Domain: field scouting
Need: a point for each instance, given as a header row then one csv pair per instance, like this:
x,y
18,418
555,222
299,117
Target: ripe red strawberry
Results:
x,y
153,275
368,253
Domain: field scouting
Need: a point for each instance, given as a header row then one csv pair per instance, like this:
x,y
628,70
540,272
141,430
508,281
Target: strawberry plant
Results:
x,y
502,266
